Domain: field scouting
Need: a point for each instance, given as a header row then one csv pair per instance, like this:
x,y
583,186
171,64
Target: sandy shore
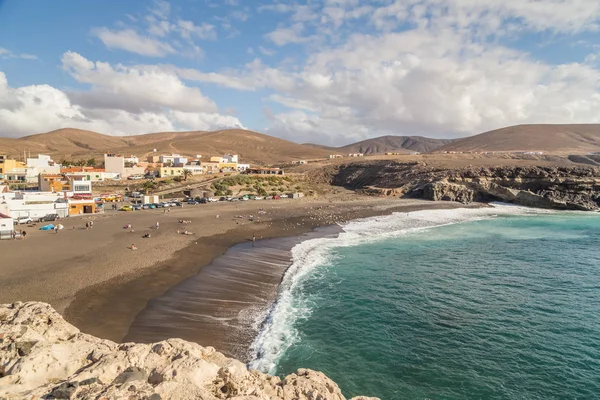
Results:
x,y
100,285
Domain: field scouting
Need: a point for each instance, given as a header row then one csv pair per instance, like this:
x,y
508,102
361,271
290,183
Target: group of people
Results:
x,y
22,234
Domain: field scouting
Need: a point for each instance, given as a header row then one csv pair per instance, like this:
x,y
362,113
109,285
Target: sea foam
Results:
x,y
278,332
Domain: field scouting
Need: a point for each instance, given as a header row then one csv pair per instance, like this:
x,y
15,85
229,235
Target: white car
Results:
x,y
258,198
213,199
24,220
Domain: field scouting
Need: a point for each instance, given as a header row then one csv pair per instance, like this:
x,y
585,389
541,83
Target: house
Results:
x,y
53,183
114,163
9,165
35,204
300,162
81,206
335,156
355,155
89,174
164,172
195,169
43,164
242,167
211,167
7,225
173,159
265,171
297,195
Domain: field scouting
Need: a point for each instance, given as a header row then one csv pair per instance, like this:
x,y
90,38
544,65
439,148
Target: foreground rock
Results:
x,y
565,188
43,356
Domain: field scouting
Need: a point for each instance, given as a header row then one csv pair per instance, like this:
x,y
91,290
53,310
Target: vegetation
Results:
x,y
255,185
186,173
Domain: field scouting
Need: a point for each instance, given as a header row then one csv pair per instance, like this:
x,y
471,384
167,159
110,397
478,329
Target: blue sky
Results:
x,y
328,71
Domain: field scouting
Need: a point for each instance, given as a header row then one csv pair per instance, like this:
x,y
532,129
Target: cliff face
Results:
x,y
43,356
572,188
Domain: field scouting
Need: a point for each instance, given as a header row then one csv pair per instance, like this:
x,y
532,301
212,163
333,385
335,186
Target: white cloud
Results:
x,y
130,40
122,100
189,30
7,54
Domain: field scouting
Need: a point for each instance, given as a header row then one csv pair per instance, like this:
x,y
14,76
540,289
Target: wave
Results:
x,y
278,331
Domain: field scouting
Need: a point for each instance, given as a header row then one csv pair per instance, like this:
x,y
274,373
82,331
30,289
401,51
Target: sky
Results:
x,y
322,71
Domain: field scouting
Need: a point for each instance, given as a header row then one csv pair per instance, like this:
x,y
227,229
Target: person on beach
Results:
x,y
87,226
253,239
156,226
133,247
24,235
91,224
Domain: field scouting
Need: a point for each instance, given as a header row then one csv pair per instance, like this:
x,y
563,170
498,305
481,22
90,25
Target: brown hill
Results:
x,y
390,144
565,139
253,147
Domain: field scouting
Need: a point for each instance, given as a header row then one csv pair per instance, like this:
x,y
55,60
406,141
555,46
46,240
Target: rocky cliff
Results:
x,y
43,356
572,188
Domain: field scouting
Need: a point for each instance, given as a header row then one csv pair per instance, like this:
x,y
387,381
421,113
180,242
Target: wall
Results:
x,y
77,208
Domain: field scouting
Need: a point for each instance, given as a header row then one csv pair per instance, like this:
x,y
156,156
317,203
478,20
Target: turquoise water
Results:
x,y
495,307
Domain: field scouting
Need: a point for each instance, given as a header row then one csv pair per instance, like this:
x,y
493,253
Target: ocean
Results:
x,y
493,303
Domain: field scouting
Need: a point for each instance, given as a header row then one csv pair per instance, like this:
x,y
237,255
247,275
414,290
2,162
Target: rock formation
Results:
x,y
43,356
568,188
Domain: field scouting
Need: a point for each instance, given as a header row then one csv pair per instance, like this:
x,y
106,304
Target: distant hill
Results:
x,y
389,144
565,139
253,147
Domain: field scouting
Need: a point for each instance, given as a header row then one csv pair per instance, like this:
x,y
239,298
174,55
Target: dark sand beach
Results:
x,y
100,285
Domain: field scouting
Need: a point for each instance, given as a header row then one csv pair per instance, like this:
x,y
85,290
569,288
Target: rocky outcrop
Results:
x,y
43,356
572,188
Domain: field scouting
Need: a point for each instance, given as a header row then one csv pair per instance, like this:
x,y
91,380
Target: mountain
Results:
x,y
253,147
389,144
579,138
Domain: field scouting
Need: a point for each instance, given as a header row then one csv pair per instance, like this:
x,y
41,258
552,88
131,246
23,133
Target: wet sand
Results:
x,y
225,303
100,285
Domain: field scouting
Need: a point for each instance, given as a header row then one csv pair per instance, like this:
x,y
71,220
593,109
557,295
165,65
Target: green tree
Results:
x,y
91,162
186,173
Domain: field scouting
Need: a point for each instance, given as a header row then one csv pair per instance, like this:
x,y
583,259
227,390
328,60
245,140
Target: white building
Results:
x,y
7,225
115,164
242,167
195,169
131,159
35,204
43,164
230,159
355,155
174,159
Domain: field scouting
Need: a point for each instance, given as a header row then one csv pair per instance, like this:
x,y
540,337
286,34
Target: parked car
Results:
x,y
24,220
176,204
126,208
258,198
212,199
244,198
234,199
202,200
222,199
152,206
48,218
192,202
276,197
149,176
137,207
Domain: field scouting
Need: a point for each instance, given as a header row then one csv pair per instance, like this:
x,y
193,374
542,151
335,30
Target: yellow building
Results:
x,y
77,207
7,165
165,172
228,167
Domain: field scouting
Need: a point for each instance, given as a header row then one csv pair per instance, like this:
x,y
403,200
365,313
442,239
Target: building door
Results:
x,y
87,209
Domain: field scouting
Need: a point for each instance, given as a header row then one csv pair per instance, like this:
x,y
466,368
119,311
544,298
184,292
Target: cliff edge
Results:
x,y
43,356
553,187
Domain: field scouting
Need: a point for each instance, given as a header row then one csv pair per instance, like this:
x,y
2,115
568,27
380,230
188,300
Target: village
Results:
x,y
41,190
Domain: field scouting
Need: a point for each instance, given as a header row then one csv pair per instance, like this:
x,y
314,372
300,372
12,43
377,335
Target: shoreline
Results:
x,y
100,285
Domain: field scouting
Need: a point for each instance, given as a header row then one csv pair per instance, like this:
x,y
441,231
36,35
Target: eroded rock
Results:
x,y
60,362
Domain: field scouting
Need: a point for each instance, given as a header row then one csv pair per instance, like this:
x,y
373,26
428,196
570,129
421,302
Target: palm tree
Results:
x,y
186,173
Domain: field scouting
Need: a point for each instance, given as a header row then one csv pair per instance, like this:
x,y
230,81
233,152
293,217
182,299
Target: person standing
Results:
x,y
156,226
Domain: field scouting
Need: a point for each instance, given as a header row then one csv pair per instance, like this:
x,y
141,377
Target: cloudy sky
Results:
x,y
327,71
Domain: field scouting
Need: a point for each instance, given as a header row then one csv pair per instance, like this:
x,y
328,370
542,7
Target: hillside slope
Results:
x,y
252,147
565,139
389,144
